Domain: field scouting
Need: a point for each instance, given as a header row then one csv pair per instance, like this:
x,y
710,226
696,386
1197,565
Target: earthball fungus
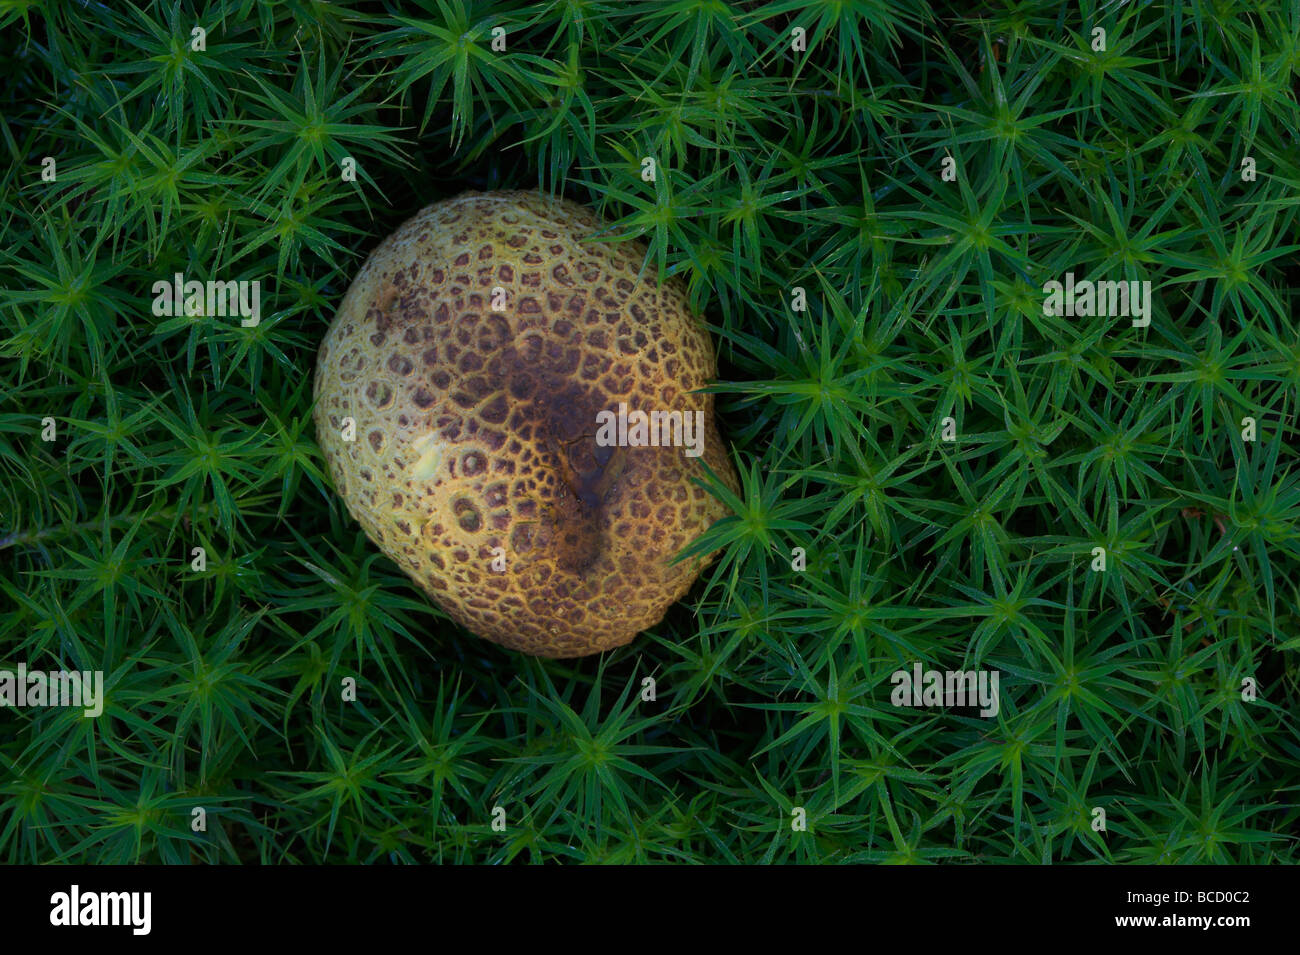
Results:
x,y
510,415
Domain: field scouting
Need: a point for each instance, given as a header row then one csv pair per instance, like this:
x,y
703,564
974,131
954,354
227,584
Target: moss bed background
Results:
x,y
1170,155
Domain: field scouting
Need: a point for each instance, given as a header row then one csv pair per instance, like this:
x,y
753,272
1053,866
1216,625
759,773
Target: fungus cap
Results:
x,y
474,355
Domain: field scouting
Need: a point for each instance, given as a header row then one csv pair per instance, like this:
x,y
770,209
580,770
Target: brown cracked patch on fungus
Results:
x,y
475,429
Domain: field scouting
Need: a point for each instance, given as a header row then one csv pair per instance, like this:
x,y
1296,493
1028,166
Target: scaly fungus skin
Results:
x,y
475,430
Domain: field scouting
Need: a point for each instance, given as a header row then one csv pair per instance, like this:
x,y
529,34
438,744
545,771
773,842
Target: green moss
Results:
x,y
776,170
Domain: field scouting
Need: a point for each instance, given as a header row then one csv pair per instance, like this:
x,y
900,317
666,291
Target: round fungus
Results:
x,y
526,427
